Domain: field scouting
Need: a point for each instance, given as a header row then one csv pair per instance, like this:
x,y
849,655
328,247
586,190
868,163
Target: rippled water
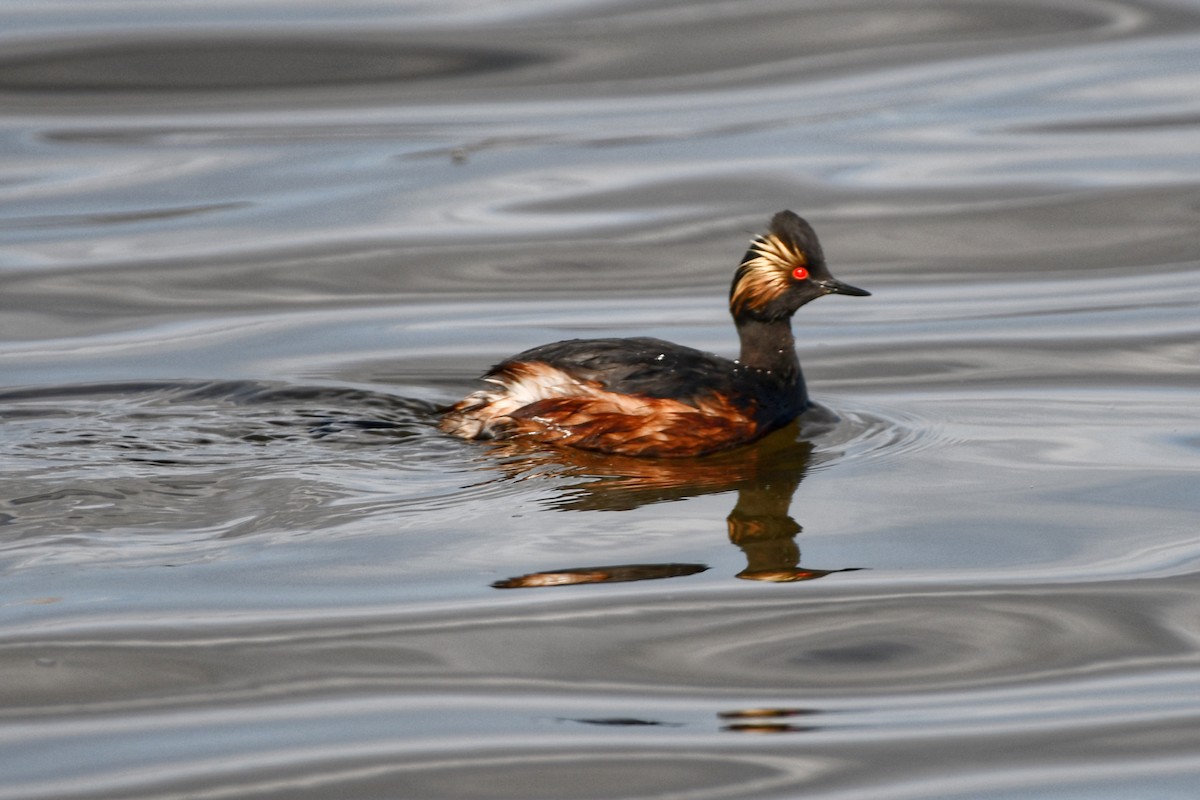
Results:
x,y
249,249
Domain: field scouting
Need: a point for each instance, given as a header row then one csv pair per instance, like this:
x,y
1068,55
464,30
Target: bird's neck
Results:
x,y
770,347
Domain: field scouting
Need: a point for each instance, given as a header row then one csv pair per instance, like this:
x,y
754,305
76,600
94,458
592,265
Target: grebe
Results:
x,y
649,397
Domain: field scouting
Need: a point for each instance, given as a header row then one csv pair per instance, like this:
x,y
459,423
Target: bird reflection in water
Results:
x,y
767,720
765,477
748,720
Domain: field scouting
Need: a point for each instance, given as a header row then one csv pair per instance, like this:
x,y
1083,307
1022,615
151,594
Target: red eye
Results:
x,y
800,273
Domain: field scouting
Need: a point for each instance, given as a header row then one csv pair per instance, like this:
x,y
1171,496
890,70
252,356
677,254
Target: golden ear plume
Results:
x,y
765,274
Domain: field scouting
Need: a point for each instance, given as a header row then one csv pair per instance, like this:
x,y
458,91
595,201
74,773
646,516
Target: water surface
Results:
x,y
247,254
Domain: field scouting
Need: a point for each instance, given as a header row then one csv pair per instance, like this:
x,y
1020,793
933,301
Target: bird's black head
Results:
x,y
783,269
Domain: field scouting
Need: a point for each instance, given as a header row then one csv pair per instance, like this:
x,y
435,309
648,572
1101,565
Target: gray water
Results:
x,y
249,249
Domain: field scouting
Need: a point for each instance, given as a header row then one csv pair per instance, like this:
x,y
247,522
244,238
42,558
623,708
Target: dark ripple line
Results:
x,y
244,63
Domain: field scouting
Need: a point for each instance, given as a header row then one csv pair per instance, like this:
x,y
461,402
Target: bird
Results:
x,y
651,398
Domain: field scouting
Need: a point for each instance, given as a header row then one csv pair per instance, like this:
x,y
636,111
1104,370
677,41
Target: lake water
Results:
x,y
249,248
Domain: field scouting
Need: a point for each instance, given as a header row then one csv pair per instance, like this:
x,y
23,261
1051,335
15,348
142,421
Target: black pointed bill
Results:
x,y
834,286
